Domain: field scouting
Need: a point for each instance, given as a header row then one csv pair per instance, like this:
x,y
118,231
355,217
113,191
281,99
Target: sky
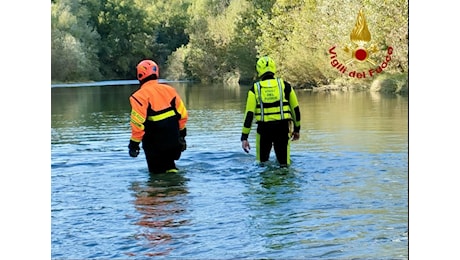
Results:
x,y
433,130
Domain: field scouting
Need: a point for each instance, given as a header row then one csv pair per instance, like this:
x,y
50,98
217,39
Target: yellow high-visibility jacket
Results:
x,y
270,100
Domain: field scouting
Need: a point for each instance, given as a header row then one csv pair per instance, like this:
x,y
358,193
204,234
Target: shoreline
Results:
x,y
396,84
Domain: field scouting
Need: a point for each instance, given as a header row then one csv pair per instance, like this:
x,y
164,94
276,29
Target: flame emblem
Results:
x,y
360,36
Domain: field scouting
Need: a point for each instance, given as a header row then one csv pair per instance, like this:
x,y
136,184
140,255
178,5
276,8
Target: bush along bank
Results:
x,y
384,83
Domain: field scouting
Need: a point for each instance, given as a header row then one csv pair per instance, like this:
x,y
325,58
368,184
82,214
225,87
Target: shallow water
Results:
x,y
344,197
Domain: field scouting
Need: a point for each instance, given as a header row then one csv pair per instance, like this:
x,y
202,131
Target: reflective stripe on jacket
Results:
x,y
271,100
157,114
272,105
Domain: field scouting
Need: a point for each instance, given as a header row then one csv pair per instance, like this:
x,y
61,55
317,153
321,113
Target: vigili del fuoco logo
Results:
x,y
360,51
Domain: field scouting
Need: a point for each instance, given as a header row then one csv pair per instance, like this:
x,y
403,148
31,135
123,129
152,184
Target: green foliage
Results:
x,y
73,51
213,43
123,31
169,20
289,37
242,50
175,67
391,83
220,40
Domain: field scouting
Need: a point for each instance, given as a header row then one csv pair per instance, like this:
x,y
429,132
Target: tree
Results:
x,y
73,45
125,36
169,20
214,45
220,40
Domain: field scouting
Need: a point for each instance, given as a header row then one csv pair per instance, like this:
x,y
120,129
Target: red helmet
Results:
x,y
146,68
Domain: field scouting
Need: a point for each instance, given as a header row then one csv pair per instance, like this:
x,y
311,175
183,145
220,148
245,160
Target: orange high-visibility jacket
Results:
x,y
157,112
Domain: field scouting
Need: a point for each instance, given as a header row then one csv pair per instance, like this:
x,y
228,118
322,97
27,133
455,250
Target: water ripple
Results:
x,y
343,197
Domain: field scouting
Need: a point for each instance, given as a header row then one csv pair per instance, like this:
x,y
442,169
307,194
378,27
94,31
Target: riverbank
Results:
x,y
105,83
386,83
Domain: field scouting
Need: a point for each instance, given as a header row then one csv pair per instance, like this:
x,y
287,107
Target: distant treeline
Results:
x,y
220,40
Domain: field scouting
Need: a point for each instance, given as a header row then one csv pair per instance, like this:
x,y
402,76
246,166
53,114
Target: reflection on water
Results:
x,y
344,197
159,201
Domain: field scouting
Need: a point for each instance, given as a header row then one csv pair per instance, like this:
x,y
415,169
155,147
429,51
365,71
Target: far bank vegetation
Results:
x,y
220,40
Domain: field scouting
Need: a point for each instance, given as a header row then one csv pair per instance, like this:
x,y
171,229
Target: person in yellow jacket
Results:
x,y
272,102
158,120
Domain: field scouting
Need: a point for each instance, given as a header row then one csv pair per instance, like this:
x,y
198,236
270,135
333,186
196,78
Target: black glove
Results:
x,y
133,148
183,132
182,143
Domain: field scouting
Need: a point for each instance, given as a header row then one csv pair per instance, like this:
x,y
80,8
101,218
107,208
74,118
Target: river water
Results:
x,y
344,197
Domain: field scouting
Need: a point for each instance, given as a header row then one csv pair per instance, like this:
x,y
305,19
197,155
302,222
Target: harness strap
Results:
x,y
260,101
281,98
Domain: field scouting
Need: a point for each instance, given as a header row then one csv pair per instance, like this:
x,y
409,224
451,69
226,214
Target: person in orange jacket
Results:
x,y
158,120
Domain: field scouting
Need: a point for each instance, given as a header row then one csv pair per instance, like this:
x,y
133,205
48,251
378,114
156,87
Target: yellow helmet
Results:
x,y
265,64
